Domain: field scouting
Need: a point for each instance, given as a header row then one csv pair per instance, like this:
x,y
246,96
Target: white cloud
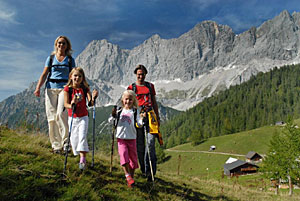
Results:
x,y
19,65
121,36
7,14
95,6
235,22
203,4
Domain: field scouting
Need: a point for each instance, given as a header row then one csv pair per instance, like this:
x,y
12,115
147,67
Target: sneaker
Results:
x,y
130,181
56,151
81,166
65,148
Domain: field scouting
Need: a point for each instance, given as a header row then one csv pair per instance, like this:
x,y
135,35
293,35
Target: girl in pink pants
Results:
x,y
128,118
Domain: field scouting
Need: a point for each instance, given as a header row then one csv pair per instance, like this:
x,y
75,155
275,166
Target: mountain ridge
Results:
x,y
201,62
209,57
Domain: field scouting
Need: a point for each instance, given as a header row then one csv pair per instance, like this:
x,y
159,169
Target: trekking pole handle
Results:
x,y
114,112
73,107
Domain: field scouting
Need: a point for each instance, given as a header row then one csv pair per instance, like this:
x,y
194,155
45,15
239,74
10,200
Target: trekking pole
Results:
x,y
147,147
69,136
113,141
94,117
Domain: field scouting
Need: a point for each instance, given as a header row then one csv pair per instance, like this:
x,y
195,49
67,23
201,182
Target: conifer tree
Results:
x,y
283,159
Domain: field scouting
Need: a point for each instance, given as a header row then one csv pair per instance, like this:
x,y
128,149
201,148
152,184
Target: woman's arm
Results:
x,y
41,81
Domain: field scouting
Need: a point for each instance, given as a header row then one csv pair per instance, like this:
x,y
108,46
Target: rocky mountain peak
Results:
x,y
199,55
201,62
284,15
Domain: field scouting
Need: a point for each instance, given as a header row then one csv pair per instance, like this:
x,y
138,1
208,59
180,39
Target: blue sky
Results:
x,y
29,27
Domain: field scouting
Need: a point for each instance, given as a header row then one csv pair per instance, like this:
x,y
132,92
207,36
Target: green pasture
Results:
x,y
239,143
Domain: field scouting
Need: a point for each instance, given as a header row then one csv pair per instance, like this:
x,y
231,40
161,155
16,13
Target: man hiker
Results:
x,y
145,94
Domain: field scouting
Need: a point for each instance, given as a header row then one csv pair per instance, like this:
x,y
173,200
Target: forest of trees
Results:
x,y
263,100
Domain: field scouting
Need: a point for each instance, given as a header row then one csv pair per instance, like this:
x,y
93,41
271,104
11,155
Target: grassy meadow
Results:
x,y
29,171
239,143
197,162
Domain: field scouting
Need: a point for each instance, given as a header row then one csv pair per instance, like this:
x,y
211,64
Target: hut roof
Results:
x,y
251,154
235,164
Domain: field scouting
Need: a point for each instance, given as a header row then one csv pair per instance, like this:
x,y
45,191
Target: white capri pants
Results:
x,y
79,134
57,118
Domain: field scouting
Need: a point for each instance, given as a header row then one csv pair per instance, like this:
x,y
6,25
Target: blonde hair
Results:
x,y
133,95
84,83
69,45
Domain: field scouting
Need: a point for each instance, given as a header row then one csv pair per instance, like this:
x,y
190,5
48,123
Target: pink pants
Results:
x,y
128,153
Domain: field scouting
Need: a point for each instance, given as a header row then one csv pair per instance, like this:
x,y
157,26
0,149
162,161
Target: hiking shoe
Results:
x,y
57,151
65,148
81,166
149,178
130,181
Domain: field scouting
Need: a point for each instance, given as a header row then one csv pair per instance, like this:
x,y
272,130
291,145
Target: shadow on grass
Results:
x,y
166,159
182,192
31,185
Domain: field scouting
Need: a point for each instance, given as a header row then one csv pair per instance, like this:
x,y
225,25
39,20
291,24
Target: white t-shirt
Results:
x,y
126,128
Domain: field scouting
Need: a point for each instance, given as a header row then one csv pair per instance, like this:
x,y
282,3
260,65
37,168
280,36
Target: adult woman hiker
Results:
x,y
56,73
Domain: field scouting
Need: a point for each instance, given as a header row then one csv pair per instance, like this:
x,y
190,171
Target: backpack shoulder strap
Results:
x,y
70,63
135,114
51,60
148,85
133,87
119,111
85,91
70,93
50,66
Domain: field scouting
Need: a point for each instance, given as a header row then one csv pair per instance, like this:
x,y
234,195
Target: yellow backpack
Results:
x,y
153,126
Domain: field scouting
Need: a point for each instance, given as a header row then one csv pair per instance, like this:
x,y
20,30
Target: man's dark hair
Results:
x,y
140,67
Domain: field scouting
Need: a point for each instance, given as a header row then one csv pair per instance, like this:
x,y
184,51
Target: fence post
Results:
x,y
179,161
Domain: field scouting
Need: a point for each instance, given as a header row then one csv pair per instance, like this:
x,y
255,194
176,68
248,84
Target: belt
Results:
x,y
58,80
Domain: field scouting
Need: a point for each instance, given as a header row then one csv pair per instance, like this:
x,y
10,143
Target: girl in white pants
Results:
x,y
75,94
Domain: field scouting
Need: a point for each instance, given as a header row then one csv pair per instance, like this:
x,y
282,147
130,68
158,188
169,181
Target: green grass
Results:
x,y
29,171
239,143
190,162
195,163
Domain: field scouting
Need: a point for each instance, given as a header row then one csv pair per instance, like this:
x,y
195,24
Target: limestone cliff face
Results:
x,y
208,58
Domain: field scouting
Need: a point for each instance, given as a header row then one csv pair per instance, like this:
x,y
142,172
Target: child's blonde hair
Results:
x,y
84,83
133,95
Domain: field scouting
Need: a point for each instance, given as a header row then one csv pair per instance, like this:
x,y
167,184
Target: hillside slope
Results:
x,y
28,171
263,100
200,161
238,143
